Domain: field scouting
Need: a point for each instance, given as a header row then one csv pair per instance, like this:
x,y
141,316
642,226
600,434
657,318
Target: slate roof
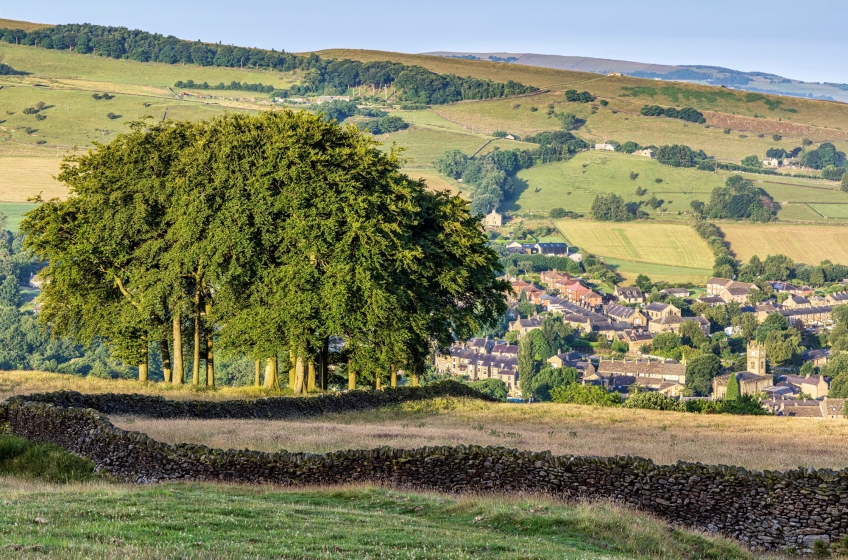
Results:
x,y
620,311
637,369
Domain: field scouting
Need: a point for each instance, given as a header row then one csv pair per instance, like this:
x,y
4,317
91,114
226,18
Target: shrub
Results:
x,y
40,117
604,102
558,213
492,387
633,175
112,116
845,182
585,394
23,458
727,131
30,111
653,401
500,134
658,180
831,172
583,97
807,142
776,137
533,109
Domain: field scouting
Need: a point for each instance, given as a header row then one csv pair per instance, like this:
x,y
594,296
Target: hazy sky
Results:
x,y
805,40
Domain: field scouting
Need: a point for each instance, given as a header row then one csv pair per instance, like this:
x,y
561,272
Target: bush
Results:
x,y
112,116
492,387
604,102
571,95
653,401
845,182
633,175
831,172
558,213
25,459
776,137
500,134
727,131
585,394
658,180
40,117
533,109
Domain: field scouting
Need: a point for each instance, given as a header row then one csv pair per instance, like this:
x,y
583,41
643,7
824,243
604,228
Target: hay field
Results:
x,y
22,178
662,251
665,437
808,244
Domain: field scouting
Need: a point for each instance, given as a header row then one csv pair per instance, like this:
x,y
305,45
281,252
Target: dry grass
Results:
x,y
809,244
765,442
22,178
25,25
27,382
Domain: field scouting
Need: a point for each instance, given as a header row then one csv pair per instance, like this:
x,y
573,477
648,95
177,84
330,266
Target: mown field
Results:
x,y
673,252
805,244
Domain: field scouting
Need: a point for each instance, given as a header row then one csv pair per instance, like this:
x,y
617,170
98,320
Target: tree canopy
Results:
x,y
268,234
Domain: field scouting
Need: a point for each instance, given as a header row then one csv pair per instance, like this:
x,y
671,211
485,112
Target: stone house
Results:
x,y
625,314
632,294
551,249
645,153
808,315
819,356
551,277
635,339
591,299
816,386
728,290
605,147
676,292
658,310
837,298
666,377
524,326
749,383
672,323
796,302
493,219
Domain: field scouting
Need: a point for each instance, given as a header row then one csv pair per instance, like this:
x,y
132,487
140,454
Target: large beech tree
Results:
x,y
266,235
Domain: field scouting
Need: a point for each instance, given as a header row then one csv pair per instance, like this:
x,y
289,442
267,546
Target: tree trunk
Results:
x,y
351,378
377,380
166,360
178,372
258,373
415,380
271,381
292,372
299,377
210,360
142,364
325,370
310,379
195,366
393,382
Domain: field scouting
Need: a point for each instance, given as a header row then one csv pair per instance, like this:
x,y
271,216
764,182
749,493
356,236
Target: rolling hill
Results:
x,y
70,87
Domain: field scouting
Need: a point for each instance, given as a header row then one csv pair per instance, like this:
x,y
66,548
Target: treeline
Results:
x,y
279,237
376,121
782,268
232,86
558,145
680,155
724,265
687,114
539,263
489,175
413,83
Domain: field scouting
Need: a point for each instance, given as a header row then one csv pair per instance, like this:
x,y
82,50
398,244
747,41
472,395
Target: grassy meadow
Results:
x,y
14,212
205,521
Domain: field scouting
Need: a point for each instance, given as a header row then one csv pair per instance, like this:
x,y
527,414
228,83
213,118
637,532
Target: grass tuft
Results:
x,y
38,461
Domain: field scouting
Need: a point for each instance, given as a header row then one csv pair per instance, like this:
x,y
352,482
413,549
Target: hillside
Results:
x,y
707,75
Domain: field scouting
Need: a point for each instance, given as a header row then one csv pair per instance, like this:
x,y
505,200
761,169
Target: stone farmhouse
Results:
x,y
657,310
493,219
625,314
672,323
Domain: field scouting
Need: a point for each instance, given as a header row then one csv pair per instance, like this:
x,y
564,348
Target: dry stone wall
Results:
x,y
765,510
268,408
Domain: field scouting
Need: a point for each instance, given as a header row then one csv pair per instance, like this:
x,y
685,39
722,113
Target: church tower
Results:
x,y
756,358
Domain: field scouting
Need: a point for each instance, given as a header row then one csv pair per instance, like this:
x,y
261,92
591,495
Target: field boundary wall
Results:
x,y
764,510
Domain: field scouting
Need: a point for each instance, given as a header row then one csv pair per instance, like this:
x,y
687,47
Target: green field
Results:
x,y
838,211
671,252
14,212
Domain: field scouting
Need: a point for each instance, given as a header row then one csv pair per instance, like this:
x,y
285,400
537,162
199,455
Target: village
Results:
x,y
627,321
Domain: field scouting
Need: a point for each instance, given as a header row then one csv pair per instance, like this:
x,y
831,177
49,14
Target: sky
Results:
x,y
801,40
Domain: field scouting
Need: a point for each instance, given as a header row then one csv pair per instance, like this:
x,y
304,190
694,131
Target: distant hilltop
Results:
x,y
761,82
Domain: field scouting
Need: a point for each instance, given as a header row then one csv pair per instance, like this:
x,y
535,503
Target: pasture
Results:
x,y
214,521
836,211
14,212
664,437
663,251
573,184
809,244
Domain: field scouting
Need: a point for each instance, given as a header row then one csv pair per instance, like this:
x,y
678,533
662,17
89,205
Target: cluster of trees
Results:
x,y
826,155
611,208
573,96
538,263
266,236
232,86
414,83
377,121
738,199
383,125
680,156
535,375
687,114
489,175
780,267
777,153
558,145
